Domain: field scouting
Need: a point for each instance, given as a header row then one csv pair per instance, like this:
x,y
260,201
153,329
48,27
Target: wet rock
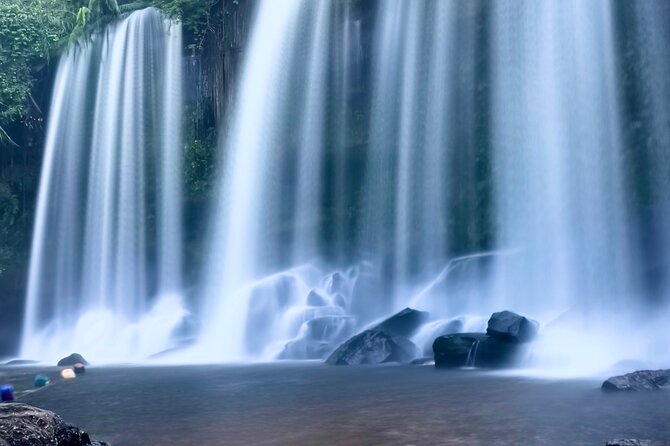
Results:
x,y
314,299
475,350
404,323
426,360
453,350
630,442
73,359
79,368
513,327
374,347
24,425
21,362
642,380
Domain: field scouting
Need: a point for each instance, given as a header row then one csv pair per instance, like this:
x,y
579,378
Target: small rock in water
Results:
x,y
631,442
79,368
67,374
41,381
639,381
423,361
510,326
6,393
73,359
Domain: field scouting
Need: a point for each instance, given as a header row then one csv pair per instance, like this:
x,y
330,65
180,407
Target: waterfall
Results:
x,y
493,172
105,268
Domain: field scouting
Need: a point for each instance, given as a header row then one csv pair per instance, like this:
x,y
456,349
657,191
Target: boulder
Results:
x,y
404,323
73,359
24,425
453,350
513,327
475,350
641,380
374,347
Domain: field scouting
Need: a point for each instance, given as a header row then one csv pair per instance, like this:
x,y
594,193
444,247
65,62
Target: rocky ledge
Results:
x,y
642,380
24,425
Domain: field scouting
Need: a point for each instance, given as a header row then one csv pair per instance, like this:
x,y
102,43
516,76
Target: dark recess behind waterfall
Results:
x,y
210,75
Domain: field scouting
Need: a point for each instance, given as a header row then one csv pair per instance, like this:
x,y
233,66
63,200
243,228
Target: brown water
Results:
x,y
312,403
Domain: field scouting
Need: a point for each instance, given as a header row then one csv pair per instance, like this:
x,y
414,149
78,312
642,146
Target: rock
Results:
x,y
24,425
17,362
631,442
453,350
475,350
6,393
79,369
374,347
41,381
403,323
426,360
641,380
510,326
73,359
314,299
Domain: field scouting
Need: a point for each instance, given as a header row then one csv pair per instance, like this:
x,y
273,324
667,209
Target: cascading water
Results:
x,y
109,202
494,176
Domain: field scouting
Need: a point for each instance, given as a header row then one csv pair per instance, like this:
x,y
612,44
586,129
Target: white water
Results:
x,y
487,170
105,271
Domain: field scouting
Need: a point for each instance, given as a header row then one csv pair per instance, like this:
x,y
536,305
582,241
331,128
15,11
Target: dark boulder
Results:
x,y
24,425
74,358
453,350
374,347
513,327
475,350
404,323
641,380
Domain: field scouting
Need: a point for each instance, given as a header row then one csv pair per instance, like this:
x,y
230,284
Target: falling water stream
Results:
x,y
458,157
105,271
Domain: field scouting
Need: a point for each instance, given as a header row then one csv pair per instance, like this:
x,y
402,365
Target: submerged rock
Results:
x,y
73,359
374,347
641,380
510,326
24,425
404,323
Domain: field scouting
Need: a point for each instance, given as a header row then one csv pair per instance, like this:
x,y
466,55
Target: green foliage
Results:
x,y
9,211
29,30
